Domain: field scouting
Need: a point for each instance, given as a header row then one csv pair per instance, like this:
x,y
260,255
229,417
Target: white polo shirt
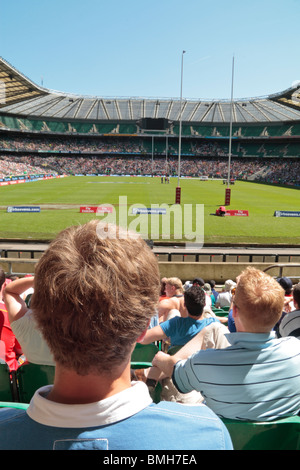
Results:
x,y
101,413
33,345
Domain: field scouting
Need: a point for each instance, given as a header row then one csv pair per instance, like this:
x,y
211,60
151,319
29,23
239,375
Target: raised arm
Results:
x,y
16,306
166,362
153,334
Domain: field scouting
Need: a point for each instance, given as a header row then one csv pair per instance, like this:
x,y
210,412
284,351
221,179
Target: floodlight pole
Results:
x,y
227,195
178,189
167,149
152,156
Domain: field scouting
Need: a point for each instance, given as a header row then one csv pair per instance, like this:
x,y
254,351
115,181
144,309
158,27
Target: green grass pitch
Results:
x,y
259,227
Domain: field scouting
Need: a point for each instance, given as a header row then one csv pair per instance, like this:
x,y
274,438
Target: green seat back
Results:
x,y
8,404
6,393
173,350
30,377
282,434
142,355
221,313
141,358
226,309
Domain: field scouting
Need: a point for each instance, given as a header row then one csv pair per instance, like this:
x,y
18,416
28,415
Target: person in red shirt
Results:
x,y
12,347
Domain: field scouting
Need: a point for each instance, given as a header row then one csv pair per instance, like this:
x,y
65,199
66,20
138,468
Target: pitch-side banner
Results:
x,y
237,212
287,213
96,209
23,209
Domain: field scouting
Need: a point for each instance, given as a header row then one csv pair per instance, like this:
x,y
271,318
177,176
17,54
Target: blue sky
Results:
x,y
133,48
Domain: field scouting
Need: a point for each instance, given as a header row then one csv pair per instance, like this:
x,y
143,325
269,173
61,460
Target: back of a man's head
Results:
x,y
198,281
259,299
194,299
286,284
94,293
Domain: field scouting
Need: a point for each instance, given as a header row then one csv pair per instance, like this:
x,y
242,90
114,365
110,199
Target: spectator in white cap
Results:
x,y
224,298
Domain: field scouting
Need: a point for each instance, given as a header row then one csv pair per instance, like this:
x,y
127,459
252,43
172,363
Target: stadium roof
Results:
x,y
20,96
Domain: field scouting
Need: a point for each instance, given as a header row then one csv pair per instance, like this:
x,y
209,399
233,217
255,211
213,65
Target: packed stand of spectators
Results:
x,y
125,156
20,166
282,172
276,172
78,145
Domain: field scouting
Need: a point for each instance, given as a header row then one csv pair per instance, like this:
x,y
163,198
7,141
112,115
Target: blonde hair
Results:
x,y
175,282
259,299
94,296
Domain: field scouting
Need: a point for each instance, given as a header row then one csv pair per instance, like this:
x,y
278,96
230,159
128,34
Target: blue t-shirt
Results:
x,y
128,420
181,330
231,322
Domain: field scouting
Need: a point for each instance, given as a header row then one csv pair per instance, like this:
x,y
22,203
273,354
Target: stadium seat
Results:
x,y
30,377
220,312
142,355
141,358
6,386
9,404
226,309
282,434
173,350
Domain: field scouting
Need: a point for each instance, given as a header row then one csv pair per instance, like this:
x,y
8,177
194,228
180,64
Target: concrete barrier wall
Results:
x,y
186,271
217,271
18,266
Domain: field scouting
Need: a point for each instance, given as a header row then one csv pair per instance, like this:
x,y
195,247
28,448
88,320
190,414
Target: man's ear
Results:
x,y
234,311
142,335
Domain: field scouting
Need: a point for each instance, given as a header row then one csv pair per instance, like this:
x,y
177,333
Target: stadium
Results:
x,y
62,156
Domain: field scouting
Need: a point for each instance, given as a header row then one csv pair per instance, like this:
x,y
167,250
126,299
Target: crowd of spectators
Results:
x,y
125,156
95,297
282,172
18,166
141,145
274,171
78,145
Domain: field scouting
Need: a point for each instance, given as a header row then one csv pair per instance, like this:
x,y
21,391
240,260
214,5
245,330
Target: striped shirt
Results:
x,y
290,324
256,378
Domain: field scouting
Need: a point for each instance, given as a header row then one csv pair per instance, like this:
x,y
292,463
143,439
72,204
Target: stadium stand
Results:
x,y
40,124
42,131
276,171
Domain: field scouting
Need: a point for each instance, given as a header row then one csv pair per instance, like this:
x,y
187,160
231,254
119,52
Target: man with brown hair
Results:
x,y
95,290
258,376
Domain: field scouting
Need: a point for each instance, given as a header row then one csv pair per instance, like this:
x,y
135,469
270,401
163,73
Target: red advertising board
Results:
x,y
222,211
96,209
237,212
88,209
